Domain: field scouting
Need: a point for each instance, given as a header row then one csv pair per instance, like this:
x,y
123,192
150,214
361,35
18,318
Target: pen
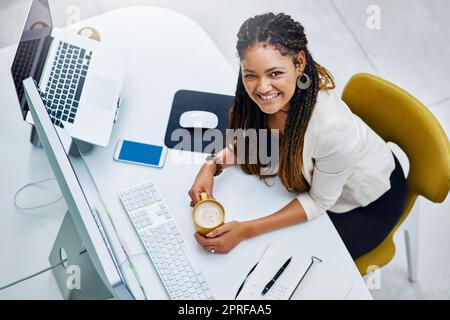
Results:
x,y
276,276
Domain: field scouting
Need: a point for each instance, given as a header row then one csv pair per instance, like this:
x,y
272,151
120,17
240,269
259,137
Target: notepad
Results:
x,y
304,278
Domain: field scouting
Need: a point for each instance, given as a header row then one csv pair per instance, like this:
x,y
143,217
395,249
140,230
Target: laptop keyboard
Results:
x,y
67,77
23,62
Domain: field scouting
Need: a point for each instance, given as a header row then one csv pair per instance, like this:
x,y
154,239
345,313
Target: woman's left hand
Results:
x,y
223,238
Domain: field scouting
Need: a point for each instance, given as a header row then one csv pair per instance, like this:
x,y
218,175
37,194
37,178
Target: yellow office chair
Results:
x,y
400,118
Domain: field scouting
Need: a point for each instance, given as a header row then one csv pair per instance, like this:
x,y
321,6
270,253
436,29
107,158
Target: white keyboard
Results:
x,y
164,243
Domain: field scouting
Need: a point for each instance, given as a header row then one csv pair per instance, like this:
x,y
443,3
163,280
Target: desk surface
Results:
x,y
167,52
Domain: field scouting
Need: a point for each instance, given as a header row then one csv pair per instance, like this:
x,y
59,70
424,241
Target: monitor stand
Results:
x,y
77,278
82,146
34,138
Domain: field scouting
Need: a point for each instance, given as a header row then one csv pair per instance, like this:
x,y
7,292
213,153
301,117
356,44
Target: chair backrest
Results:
x,y
400,118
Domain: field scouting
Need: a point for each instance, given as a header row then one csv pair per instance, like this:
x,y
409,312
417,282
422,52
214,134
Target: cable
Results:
x,y
36,274
130,260
38,206
133,255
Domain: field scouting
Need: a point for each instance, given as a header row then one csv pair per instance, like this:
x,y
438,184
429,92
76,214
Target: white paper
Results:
x,y
320,282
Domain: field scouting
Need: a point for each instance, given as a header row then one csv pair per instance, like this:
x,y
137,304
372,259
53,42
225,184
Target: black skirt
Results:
x,y
363,229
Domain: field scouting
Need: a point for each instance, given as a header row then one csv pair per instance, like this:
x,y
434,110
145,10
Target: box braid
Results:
x,y
287,35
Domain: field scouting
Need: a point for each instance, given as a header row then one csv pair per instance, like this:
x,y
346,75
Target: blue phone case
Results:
x,y
141,153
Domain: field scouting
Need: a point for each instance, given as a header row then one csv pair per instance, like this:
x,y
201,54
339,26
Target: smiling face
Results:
x,y
269,77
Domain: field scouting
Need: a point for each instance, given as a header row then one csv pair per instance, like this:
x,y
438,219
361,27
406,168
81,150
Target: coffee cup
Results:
x,y
207,214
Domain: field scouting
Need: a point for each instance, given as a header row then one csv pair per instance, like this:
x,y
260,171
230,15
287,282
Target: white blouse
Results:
x,y
346,163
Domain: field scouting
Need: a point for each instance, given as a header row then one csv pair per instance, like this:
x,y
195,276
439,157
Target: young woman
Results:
x,y
328,157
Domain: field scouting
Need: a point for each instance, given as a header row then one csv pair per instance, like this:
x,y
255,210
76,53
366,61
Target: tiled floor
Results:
x,y
410,49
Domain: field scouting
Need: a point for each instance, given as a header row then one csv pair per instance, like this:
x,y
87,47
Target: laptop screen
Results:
x,y
32,49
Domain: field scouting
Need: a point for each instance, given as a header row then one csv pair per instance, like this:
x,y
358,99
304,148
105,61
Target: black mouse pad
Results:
x,y
187,100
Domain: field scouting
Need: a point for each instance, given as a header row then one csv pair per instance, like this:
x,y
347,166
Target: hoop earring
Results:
x,y
303,85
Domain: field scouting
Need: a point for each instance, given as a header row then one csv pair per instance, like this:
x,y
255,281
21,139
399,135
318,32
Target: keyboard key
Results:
x,y
79,88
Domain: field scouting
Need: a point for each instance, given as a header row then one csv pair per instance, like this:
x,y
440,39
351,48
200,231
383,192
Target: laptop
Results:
x,y
80,78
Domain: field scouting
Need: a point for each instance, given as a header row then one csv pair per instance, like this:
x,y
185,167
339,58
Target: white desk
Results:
x,y
169,52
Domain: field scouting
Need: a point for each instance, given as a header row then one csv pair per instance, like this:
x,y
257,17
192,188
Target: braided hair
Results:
x,y
287,36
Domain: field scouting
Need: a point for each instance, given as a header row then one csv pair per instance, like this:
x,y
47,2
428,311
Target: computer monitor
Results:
x,y
82,197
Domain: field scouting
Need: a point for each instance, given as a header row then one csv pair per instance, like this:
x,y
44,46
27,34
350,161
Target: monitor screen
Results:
x,y
86,207
32,48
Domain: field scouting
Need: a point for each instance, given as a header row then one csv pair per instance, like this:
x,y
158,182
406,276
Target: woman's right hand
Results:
x,y
203,182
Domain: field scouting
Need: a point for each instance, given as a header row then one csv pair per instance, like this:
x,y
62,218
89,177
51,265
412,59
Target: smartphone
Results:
x,y
140,153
